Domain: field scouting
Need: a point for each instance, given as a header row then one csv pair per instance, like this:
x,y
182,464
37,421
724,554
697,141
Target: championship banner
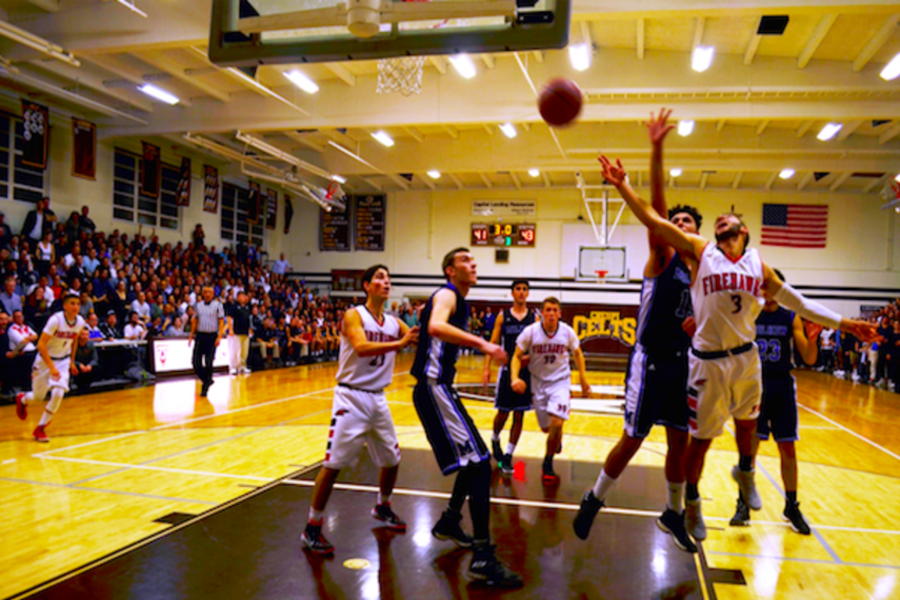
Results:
x,y
210,189
84,149
288,213
151,171
35,134
271,209
253,203
183,191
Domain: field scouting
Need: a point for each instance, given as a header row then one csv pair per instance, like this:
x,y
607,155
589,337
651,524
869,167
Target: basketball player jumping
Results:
x,y
729,281
457,445
550,343
370,340
776,327
53,363
509,324
656,382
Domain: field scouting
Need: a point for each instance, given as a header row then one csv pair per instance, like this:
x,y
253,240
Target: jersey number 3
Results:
x,y
736,298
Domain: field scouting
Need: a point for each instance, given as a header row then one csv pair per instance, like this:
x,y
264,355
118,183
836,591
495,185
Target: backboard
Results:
x,y
256,32
607,260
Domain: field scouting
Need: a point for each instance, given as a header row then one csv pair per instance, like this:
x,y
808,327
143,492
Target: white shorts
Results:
x,y
359,417
41,382
721,388
552,398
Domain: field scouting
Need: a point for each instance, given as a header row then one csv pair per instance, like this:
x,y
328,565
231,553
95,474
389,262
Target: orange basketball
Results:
x,y
560,102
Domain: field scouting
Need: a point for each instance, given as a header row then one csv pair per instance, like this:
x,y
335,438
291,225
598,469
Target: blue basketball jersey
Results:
x,y
774,333
665,303
511,328
436,359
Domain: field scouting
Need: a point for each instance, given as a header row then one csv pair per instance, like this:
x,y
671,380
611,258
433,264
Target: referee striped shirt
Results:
x,y
208,315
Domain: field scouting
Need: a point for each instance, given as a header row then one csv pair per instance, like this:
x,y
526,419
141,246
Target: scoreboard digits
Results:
x,y
503,235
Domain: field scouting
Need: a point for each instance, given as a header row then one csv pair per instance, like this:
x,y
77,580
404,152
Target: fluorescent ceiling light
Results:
x,y
580,55
685,128
702,57
339,179
464,65
675,172
786,173
434,174
509,130
164,96
829,131
302,81
897,178
383,138
892,69
534,172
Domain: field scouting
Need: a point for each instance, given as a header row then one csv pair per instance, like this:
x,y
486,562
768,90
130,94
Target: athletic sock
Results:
x,y
676,496
480,500
56,398
792,497
384,498
746,463
548,463
691,491
315,516
510,448
29,397
603,485
495,437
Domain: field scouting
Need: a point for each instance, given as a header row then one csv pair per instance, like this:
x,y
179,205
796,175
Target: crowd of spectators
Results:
x,y
136,288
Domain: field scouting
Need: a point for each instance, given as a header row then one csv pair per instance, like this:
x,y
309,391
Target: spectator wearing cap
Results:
x,y
110,328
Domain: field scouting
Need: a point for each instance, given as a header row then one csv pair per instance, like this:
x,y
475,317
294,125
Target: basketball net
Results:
x,y
402,74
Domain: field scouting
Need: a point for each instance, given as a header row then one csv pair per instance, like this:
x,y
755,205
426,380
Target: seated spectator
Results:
x,y
87,306
93,329
110,329
142,308
10,299
22,340
37,309
86,362
134,329
175,329
268,342
6,353
298,345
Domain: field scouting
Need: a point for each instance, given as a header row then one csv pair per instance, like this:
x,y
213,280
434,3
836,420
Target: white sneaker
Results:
x,y
854,377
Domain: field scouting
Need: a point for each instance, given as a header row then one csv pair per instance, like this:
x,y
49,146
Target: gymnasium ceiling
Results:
x,y
757,109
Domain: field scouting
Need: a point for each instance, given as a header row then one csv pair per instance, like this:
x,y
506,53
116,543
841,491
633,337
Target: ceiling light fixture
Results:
x,y
509,130
685,128
383,138
339,179
534,172
786,173
434,174
464,65
892,69
162,95
675,172
580,55
302,81
702,57
829,131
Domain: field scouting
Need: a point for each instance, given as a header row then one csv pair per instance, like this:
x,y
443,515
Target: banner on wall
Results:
x,y
271,208
210,189
369,216
253,202
84,149
151,170
35,134
288,213
183,191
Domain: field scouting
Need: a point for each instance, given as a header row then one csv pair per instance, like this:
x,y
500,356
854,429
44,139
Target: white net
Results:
x,y
403,74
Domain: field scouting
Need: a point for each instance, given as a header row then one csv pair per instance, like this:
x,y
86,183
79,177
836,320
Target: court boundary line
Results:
x,y
70,486
850,431
156,536
817,561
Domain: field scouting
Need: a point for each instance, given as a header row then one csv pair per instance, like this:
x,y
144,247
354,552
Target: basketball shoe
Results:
x,y
673,523
498,451
485,566
21,407
745,481
793,515
589,508
506,466
549,476
385,514
741,516
40,435
313,539
448,528
693,519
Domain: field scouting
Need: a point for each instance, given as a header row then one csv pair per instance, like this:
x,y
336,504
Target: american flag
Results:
x,y
795,225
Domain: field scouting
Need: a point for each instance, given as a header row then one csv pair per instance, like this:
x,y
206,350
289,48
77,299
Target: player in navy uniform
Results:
x,y
509,324
457,445
656,381
775,328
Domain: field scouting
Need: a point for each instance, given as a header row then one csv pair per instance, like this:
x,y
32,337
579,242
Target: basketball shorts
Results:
x,y
721,388
448,426
655,392
41,382
506,399
551,399
778,414
359,417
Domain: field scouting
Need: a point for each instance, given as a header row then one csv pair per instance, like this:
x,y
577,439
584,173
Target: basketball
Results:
x,y
560,102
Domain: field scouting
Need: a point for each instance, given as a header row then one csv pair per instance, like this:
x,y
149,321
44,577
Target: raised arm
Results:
x,y
683,242
443,304
352,328
658,128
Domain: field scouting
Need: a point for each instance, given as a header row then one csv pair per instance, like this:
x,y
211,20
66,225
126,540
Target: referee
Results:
x,y
207,326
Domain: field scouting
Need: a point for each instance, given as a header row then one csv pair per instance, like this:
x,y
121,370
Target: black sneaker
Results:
x,y
549,476
673,523
741,516
590,506
506,466
793,515
313,539
486,567
385,514
448,528
498,451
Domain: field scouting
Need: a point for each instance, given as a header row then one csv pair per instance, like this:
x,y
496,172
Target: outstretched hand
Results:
x,y
862,330
658,127
614,174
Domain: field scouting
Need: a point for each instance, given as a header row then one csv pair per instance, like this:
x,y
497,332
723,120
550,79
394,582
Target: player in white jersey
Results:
x,y
370,340
53,363
550,343
729,285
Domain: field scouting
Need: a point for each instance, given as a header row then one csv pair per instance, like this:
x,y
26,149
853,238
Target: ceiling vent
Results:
x,y
772,24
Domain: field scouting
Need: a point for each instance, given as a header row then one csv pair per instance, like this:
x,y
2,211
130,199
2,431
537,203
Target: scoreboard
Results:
x,y
504,235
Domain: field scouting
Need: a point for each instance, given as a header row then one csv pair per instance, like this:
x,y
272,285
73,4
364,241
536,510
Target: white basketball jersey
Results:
x,y
549,353
64,335
727,298
372,373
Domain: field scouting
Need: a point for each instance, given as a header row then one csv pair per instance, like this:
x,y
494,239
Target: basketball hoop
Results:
x,y
601,274
402,75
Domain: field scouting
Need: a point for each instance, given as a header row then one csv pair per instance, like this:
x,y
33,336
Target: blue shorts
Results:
x,y
655,392
778,413
506,399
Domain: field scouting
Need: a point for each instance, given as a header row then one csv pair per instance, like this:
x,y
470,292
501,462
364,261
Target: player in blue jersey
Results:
x,y
776,327
457,445
656,380
509,324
